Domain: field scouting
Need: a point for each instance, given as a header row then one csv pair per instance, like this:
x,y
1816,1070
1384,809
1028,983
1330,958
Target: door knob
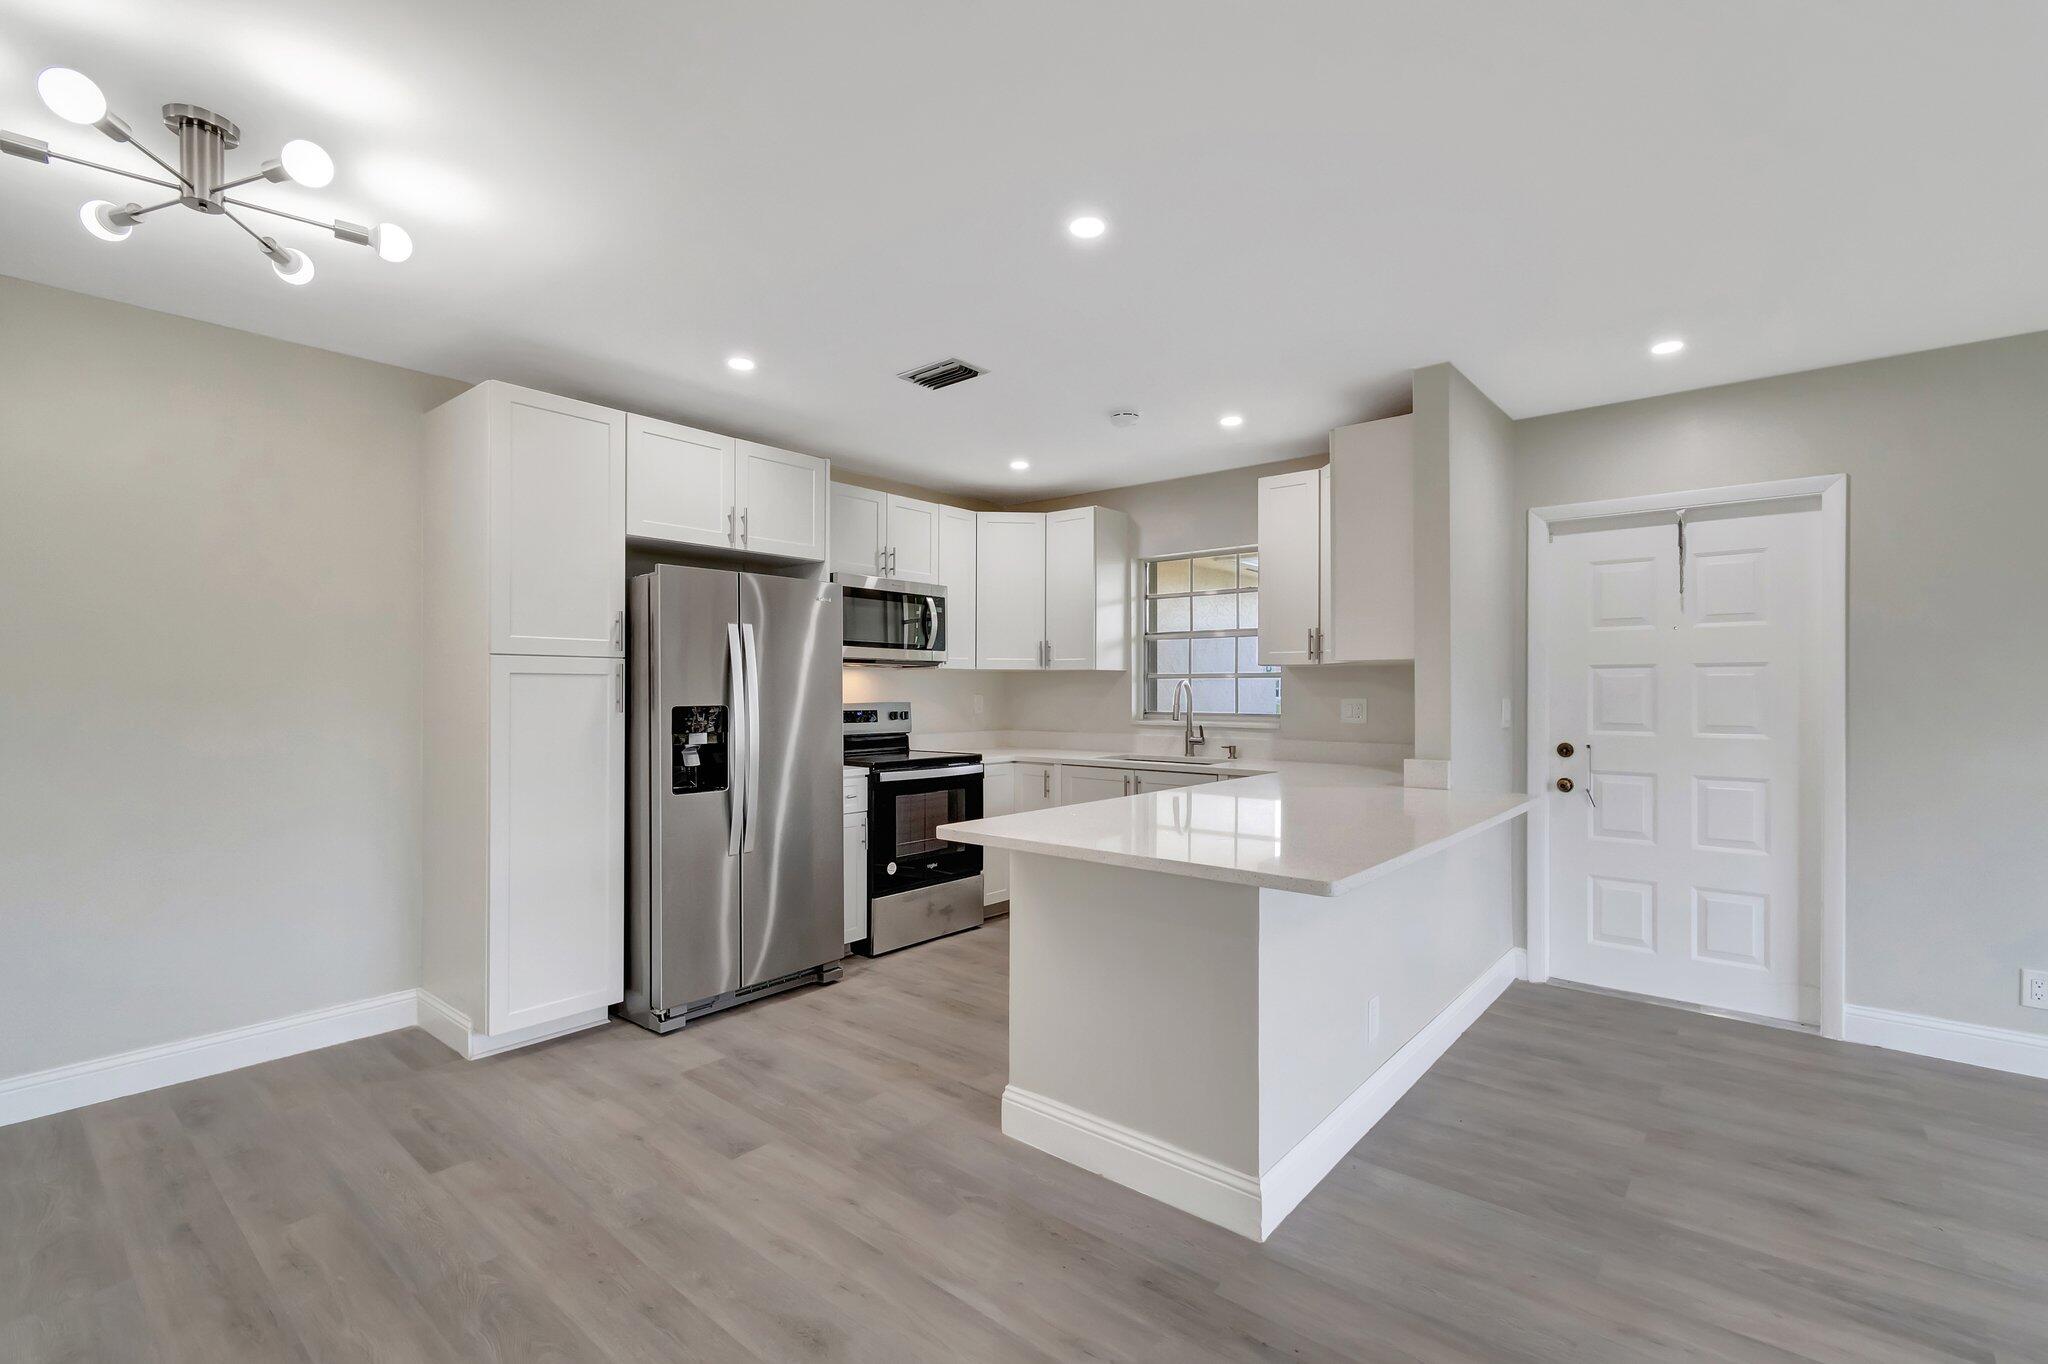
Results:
x,y
1564,783
1565,750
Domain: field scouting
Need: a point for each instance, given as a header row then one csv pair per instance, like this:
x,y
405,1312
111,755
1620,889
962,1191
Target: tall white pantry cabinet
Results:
x,y
525,725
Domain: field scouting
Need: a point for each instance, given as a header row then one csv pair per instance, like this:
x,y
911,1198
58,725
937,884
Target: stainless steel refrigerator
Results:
x,y
733,865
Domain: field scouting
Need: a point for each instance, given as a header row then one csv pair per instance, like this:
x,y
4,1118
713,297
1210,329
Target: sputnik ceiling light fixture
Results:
x,y
200,183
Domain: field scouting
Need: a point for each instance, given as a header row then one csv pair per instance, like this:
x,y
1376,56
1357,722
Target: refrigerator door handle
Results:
x,y
736,739
753,658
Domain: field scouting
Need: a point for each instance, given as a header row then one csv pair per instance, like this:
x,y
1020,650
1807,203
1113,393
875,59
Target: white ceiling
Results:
x,y
1306,200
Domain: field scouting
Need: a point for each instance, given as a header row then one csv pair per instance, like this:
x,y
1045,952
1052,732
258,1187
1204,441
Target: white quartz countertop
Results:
x,y
1221,766
1315,828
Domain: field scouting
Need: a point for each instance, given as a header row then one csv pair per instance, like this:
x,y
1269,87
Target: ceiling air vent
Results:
x,y
942,375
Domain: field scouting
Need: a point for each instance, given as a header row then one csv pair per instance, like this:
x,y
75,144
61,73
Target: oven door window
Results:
x,y
904,847
893,620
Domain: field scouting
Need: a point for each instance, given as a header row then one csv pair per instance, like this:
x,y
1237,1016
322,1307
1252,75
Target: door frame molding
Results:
x,y
1832,648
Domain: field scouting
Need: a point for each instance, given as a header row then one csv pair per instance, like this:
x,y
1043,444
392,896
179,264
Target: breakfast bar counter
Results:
x,y
1216,990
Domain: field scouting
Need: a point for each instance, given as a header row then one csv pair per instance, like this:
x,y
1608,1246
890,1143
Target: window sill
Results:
x,y
1223,722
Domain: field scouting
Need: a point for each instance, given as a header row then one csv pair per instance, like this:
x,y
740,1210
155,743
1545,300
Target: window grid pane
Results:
x,y
1201,617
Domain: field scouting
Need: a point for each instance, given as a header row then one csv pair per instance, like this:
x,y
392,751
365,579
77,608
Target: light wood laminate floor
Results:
x,y
820,1177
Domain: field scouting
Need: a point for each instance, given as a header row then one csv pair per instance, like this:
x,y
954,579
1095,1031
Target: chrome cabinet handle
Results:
x,y
619,690
1047,791
728,526
619,630
743,528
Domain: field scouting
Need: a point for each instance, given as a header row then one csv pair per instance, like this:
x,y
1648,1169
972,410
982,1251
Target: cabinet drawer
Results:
x,y
853,795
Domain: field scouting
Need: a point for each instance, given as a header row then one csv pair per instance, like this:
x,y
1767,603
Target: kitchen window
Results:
x,y
1200,622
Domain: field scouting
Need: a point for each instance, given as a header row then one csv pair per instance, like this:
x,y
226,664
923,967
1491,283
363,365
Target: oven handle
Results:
x,y
922,773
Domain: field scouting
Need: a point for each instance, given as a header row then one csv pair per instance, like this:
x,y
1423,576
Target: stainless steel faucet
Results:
x,y
1191,735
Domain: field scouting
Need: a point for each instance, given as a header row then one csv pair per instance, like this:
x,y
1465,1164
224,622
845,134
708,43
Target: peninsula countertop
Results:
x,y
1313,828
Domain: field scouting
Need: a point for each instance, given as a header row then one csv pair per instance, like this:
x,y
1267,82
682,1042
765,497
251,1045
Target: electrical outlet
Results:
x,y
1351,712
2034,989
1372,1019
980,703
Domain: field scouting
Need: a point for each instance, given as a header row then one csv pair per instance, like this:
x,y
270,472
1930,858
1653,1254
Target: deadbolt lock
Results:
x,y
1564,783
1565,749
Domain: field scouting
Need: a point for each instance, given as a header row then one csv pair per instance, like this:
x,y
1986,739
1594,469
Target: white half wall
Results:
x,y
210,775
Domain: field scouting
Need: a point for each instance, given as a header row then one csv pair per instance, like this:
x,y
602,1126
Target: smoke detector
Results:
x,y
1123,417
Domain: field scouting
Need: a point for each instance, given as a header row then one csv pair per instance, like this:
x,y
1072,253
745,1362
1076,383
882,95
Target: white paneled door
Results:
x,y
1677,867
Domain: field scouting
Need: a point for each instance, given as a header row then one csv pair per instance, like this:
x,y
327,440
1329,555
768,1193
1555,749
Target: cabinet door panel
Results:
x,y
1010,586
1290,565
957,571
1070,588
1079,785
679,485
853,850
1036,785
558,526
913,540
860,528
557,879
1167,781
782,499
998,797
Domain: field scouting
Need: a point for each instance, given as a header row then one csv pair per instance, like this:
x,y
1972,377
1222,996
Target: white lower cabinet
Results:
x,y
1168,781
853,848
998,797
555,923
1037,785
1079,785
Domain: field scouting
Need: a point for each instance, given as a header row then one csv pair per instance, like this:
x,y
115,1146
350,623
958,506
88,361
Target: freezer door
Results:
x,y
790,915
694,861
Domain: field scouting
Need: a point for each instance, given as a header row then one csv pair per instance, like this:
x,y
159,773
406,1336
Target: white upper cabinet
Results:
x,y
1337,552
679,485
1010,588
913,540
1053,589
1291,521
1087,589
860,530
958,571
782,500
882,535
557,472
1372,558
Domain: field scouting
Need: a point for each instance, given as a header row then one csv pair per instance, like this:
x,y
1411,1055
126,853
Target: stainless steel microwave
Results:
x,y
892,623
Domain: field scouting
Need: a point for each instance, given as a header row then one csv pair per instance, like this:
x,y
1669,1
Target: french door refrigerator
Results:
x,y
733,831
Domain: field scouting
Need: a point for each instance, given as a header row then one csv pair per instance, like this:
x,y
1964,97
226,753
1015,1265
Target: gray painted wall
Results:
x,y
1947,457
210,677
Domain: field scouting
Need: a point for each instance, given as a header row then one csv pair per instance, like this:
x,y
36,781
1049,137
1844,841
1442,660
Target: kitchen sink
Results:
x,y
1163,758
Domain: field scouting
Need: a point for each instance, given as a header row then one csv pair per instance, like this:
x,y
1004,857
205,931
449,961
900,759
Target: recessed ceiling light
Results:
x,y
1231,419
1087,228
743,363
1020,465
1668,346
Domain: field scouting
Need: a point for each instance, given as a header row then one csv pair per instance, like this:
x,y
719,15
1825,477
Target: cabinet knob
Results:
x,y
1565,750
1564,784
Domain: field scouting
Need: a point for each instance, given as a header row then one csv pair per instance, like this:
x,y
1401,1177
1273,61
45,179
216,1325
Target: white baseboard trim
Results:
x,y
1157,1169
1947,1039
1295,1175
1249,1205
451,1027
44,1092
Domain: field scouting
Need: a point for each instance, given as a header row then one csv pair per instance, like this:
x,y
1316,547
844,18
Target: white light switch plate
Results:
x,y
1507,713
1352,712
1372,1019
